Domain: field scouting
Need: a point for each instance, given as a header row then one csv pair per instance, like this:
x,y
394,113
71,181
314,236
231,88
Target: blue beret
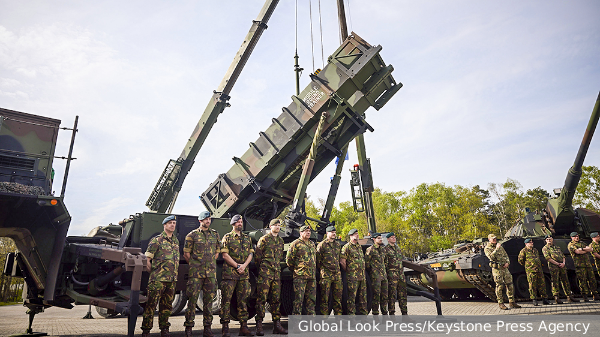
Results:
x,y
203,215
352,231
169,218
235,219
389,235
594,234
527,240
330,229
574,234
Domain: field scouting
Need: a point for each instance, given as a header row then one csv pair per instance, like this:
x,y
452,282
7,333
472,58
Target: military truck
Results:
x,y
464,270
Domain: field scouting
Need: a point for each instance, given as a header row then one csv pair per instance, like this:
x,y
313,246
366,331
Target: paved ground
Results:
x,y
62,322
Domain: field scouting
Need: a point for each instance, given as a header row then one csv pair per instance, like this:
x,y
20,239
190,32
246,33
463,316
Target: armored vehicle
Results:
x,y
464,270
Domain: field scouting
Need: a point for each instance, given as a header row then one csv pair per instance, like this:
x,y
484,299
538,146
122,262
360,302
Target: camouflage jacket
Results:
x,y
328,259
301,259
269,252
596,249
393,262
202,245
355,261
497,256
164,252
530,258
553,252
239,247
580,260
375,262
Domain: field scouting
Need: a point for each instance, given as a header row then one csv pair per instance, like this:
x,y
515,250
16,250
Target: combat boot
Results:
x,y
244,331
545,301
164,332
207,331
585,298
188,331
259,329
557,300
225,330
535,303
384,313
514,305
278,329
502,306
145,333
596,297
571,299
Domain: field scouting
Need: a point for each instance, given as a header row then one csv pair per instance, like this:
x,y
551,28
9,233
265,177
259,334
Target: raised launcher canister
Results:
x,y
263,181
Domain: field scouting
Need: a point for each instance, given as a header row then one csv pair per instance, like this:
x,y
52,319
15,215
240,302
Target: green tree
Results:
x,y
587,194
510,204
536,199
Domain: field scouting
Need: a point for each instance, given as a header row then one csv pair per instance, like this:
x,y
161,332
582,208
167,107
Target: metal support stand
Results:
x,y
29,332
89,313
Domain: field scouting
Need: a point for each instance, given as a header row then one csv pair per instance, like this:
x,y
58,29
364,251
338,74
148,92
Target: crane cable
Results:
x,y
312,46
350,15
321,29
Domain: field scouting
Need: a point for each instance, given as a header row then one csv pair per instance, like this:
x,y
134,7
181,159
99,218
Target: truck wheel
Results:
x,y
521,286
179,302
287,297
215,305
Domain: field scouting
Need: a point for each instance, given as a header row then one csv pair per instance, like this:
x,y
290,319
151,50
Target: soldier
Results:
x,y
530,258
201,249
237,252
163,262
583,267
269,252
375,262
595,245
499,262
301,259
353,262
395,276
328,261
558,272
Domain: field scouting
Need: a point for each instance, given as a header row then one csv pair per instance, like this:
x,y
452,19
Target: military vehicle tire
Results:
x,y
106,313
521,285
179,302
287,297
216,303
251,306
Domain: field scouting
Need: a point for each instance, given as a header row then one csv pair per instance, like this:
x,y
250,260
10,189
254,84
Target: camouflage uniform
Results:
x,y
328,261
202,245
557,275
396,281
583,269
355,276
300,259
239,247
164,252
269,252
596,249
502,277
375,262
530,258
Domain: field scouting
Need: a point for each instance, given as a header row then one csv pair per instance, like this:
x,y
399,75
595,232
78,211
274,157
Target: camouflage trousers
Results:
x,y
160,293
380,296
397,292
357,288
503,279
305,292
336,289
208,287
558,277
242,292
586,279
537,285
268,289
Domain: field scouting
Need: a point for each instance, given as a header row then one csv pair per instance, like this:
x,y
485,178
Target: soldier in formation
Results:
x,y
558,272
395,276
201,249
301,259
237,252
162,257
269,252
328,262
353,261
595,245
583,268
375,263
530,258
499,262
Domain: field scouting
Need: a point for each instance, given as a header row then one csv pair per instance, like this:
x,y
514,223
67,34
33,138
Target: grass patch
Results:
x,y
9,303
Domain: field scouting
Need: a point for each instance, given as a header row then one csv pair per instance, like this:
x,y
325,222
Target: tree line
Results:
x,y
432,217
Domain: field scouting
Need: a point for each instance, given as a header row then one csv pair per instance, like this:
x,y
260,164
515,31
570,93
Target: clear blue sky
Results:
x,y
492,89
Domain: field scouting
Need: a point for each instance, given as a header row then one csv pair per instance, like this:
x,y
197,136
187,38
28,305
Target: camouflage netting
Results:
x,y
6,187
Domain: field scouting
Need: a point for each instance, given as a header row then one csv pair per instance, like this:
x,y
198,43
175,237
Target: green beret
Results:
x,y
274,222
594,234
389,235
169,218
574,234
527,240
305,227
330,229
376,235
203,215
548,236
352,231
